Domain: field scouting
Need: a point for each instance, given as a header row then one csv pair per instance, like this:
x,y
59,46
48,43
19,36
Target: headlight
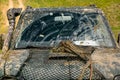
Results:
x,y
117,77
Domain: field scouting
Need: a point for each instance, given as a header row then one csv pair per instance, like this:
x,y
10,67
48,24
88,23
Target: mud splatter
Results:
x,y
107,61
106,56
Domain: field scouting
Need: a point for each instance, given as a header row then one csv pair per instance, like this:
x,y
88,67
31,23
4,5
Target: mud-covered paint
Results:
x,y
103,59
11,65
107,61
11,15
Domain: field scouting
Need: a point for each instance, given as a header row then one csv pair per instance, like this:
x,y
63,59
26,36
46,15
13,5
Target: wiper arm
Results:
x,y
34,47
29,46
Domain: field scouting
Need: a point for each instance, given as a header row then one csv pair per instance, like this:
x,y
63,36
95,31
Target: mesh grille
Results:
x,y
40,67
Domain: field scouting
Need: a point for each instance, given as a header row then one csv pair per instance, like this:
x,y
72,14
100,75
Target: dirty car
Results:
x,y
57,43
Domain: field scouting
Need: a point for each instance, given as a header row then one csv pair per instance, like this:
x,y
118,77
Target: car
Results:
x,y
66,43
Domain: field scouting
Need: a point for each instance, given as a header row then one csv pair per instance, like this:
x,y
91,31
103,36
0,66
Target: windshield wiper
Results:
x,y
34,47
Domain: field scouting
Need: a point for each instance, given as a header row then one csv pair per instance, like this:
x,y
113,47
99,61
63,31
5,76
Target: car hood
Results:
x,y
106,60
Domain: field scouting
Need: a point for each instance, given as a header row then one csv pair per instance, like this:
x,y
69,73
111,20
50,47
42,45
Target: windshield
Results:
x,y
51,28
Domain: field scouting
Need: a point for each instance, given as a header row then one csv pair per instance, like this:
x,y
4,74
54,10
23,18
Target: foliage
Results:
x,y
116,31
0,51
3,4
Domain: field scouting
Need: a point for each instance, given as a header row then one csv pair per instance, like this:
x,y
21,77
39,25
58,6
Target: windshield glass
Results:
x,y
51,28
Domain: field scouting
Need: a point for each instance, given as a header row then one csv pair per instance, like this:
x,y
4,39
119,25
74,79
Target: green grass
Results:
x,y
58,3
3,5
116,31
0,51
3,1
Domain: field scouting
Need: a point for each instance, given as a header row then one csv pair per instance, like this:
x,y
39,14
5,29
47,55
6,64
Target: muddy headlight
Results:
x,y
117,77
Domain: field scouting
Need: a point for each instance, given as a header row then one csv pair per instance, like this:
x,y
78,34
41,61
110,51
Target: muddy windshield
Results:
x,y
51,28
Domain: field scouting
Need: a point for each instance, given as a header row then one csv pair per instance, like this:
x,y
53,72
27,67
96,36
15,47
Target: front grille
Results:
x,y
42,66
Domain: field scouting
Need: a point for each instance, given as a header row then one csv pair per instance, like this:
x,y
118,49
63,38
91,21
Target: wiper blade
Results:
x,y
34,47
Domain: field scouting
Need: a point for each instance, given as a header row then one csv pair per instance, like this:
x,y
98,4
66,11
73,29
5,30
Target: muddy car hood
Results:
x,y
106,60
